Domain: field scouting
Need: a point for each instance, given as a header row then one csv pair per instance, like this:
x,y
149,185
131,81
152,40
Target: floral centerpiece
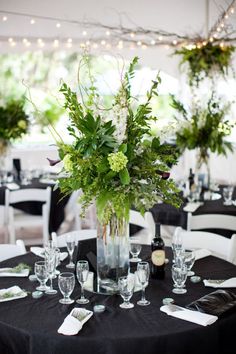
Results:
x,y
204,128
115,161
14,122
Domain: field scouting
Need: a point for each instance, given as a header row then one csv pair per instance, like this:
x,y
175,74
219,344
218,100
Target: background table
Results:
x,y
29,326
168,215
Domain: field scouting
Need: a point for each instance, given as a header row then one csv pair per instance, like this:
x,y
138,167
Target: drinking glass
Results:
x,y
50,260
66,283
227,195
189,259
57,255
177,245
179,276
82,271
135,249
143,271
41,272
70,244
126,288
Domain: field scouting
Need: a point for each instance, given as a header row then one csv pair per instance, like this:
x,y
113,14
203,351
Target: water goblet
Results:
x,y
177,244
70,244
66,283
227,195
50,260
179,276
135,249
40,270
82,271
57,255
189,259
126,289
143,272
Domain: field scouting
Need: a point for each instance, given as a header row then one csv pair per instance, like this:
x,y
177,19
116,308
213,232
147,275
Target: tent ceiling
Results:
x,y
182,17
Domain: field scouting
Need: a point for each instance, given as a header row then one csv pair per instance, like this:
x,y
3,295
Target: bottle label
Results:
x,y
158,257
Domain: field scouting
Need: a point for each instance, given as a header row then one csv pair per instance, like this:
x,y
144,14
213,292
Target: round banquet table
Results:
x,y
168,215
29,326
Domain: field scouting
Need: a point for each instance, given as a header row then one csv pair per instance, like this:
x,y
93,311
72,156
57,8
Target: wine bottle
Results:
x,y
191,179
158,255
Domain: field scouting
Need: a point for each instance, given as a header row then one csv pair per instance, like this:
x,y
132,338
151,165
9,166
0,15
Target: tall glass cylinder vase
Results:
x,y
203,168
112,253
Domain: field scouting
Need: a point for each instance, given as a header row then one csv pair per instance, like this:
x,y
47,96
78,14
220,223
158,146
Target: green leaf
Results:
x,y
124,176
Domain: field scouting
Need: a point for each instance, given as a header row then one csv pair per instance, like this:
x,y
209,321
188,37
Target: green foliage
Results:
x,y
13,120
111,159
205,128
206,60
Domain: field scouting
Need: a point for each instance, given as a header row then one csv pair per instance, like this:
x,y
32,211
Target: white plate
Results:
x,y
6,272
17,293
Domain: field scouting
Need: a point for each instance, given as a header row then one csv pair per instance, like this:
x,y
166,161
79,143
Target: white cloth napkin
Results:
x,y
191,207
12,293
12,186
201,253
229,283
200,318
39,251
74,322
6,272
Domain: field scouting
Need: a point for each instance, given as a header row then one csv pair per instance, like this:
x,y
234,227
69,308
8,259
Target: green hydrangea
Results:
x,y
68,164
22,124
117,161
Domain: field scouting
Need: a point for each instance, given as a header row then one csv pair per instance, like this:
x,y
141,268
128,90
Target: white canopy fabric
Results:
x,y
181,17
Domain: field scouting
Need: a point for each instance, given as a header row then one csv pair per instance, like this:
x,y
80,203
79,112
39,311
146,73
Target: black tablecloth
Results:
x,y
29,326
58,203
168,215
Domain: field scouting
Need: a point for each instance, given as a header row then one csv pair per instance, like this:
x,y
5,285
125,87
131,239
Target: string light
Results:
x,y
10,40
4,18
69,40
84,33
103,42
153,42
108,33
56,43
160,38
12,44
132,34
58,25
32,21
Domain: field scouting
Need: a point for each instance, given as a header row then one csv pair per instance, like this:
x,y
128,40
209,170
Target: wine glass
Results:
x,y
70,244
50,260
179,276
66,283
177,244
82,271
41,272
135,249
143,272
126,288
227,195
189,259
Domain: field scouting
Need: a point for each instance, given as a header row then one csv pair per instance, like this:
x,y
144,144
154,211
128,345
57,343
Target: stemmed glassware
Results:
x,y
50,259
135,249
177,245
82,271
70,244
66,283
227,195
189,259
143,272
41,272
126,288
179,276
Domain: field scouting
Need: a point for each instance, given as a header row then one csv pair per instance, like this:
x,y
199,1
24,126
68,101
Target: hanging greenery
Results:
x,y
206,60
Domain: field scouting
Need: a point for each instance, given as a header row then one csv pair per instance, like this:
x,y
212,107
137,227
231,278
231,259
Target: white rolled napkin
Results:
x,y
200,318
74,322
12,293
39,251
202,253
191,207
229,283
12,186
7,272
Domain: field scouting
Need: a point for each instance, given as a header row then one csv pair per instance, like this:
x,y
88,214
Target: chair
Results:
x,y
17,218
147,222
211,221
9,251
220,246
60,240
